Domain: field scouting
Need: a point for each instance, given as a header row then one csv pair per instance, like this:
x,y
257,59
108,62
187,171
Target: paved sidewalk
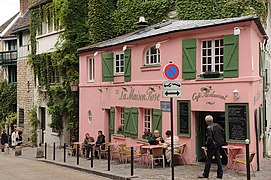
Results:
x,y
120,171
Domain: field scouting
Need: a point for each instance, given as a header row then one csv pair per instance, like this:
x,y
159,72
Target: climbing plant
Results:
x,y
34,121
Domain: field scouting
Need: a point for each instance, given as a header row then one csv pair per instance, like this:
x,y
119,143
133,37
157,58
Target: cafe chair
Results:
x,y
126,154
157,154
241,159
103,149
116,150
181,152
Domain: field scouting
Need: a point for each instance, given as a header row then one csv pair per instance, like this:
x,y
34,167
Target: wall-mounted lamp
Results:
x,y
96,53
236,31
124,89
235,94
157,45
152,89
124,48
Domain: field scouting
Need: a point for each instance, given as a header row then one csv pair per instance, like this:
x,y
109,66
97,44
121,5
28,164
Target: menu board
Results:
x,y
237,119
184,117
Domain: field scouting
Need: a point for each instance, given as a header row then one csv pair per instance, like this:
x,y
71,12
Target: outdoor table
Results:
x,y
76,144
152,146
232,152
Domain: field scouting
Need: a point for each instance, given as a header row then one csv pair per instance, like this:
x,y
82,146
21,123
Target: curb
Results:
x,y
78,168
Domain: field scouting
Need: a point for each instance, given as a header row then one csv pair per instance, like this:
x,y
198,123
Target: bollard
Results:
x,y
108,158
64,152
247,159
77,154
132,161
54,151
45,150
91,157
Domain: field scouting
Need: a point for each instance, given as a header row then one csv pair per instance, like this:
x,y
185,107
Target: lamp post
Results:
x,y
74,89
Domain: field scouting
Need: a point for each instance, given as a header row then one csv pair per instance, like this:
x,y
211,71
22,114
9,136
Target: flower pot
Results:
x,y
211,75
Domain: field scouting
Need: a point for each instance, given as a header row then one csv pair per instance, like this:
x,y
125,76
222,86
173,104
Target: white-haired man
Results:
x,y
215,139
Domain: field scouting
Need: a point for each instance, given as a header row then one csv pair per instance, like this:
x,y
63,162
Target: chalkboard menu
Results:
x,y
184,117
237,122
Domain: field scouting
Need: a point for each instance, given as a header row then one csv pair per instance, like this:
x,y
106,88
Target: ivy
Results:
x,y
8,100
34,121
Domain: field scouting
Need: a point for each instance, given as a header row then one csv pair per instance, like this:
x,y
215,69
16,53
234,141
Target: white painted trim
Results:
x,y
10,25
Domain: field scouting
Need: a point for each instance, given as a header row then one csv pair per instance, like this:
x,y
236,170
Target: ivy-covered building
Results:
x,y
221,63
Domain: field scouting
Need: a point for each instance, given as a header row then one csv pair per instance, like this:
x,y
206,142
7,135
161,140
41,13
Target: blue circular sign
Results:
x,y
171,71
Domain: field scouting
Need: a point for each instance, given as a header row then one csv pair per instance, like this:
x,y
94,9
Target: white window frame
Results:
x,y
147,119
91,73
115,63
213,55
121,122
149,55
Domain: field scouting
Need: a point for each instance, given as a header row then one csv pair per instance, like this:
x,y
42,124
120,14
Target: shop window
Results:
x,y
212,56
147,124
119,62
152,56
91,69
184,118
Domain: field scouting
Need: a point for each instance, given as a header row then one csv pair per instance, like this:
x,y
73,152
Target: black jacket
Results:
x,y
215,136
4,138
153,141
100,140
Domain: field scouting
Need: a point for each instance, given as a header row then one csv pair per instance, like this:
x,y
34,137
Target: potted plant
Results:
x,y
211,74
120,130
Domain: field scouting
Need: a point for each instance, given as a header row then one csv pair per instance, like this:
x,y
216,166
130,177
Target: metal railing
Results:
x,y
8,57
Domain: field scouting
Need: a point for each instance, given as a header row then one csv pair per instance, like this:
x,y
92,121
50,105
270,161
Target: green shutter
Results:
x,y
127,65
131,122
112,120
189,59
157,120
107,67
231,54
261,61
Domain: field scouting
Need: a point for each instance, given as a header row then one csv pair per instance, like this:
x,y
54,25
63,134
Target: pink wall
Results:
x,y
248,83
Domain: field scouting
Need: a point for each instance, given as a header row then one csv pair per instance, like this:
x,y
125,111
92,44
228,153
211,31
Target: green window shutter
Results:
x,y
127,65
107,67
261,61
131,122
157,120
231,54
112,120
189,59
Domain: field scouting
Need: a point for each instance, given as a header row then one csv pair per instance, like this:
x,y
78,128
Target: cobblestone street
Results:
x,y
123,172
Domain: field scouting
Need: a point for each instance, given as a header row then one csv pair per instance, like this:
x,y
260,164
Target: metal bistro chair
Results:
x,y
157,154
181,152
103,150
205,152
241,159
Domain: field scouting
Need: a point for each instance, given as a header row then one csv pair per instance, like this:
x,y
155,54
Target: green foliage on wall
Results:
x,y
34,121
214,9
8,99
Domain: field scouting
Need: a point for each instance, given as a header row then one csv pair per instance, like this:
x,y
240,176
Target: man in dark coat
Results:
x,y
4,139
156,138
99,142
215,139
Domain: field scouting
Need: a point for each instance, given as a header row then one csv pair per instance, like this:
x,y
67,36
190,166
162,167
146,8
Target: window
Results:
x,y
11,45
119,62
212,55
122,118
152,56
147,120
91,69
12,74
21,117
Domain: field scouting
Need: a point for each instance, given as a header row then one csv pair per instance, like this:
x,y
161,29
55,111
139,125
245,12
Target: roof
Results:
x,y
22,23
171,27
5,25
37,3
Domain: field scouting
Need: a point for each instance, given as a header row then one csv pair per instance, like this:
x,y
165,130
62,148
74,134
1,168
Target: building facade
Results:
x,y
220,66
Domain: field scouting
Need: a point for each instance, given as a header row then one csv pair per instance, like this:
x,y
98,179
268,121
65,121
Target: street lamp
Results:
x,y
74,89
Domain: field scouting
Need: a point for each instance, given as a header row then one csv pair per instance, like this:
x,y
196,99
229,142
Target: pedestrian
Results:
x,y
86,145
14,138
99,142
167,146
215,139
4,140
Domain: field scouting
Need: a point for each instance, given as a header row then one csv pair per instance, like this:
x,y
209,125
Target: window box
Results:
x,y
210,74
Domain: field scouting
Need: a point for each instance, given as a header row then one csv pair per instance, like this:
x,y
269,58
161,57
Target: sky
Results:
x,y
8,8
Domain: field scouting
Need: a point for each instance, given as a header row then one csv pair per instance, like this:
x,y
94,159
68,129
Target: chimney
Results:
x,y
24,5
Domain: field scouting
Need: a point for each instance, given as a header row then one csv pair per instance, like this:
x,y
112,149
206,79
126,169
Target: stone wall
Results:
x,y
25,96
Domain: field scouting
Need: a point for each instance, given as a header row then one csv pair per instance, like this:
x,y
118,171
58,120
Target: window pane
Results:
x,y
204,60
122,69
122,56
209,60
209,52
209,43
204,44
216,67
221,68
204,68
221,59
216,43
221,51
217,59
216,51
204,52
209,68
221,42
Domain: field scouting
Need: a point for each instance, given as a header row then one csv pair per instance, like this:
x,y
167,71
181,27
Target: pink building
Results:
x,y
220,70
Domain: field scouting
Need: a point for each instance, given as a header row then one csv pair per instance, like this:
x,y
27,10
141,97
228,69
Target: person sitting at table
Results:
x,y
156,138
86,145
99,142
167,146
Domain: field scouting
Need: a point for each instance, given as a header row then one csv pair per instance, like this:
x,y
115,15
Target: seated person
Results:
x,y
86,146
99,142
167,145
156,138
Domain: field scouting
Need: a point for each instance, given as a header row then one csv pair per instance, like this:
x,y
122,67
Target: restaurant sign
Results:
x,y
208,93
149,95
